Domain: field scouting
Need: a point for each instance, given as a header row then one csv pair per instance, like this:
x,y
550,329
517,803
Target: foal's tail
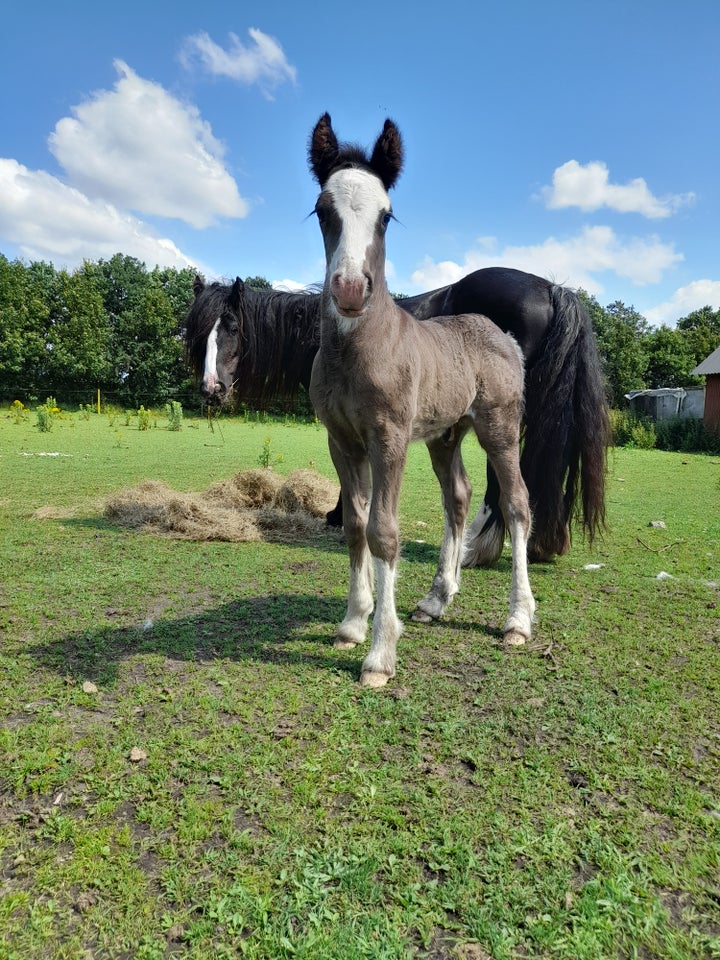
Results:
x,y
566,432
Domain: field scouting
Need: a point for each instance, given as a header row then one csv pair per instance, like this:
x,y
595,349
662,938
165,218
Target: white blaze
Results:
x,y
210,372
359,197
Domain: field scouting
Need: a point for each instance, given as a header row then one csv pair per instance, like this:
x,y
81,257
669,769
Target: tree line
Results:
x,y
116,326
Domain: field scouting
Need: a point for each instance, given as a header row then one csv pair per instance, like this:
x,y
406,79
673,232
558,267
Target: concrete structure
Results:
x,y
666,402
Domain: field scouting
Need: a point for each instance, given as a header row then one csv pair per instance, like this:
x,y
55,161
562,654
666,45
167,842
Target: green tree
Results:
x,y
621,334
259,283
149,348
670,358
701,329
79,335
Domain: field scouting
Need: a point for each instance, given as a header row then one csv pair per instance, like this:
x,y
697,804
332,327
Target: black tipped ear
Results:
x,y
198,285
237,291
323,151
387,156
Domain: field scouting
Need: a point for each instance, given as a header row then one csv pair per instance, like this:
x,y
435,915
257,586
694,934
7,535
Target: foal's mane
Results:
x,y
279,335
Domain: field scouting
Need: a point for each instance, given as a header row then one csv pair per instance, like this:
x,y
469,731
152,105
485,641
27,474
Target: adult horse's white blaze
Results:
x,y
209,380
359,200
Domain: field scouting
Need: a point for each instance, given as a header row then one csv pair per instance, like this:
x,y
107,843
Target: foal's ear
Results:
x,y
388,155
323,151
198,285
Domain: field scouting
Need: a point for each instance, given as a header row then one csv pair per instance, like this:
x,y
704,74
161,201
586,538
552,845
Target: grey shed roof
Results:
x,y
710,364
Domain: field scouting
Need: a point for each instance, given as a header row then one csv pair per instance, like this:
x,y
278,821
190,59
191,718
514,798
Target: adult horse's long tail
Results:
x,y
566,438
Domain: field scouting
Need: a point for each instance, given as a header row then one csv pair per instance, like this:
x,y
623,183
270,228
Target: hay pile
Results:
x,y
251,506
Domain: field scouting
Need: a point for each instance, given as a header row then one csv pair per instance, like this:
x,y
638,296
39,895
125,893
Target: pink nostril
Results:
x,y
350,293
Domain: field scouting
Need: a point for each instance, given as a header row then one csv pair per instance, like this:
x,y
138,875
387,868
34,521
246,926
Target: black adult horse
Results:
x,y
245,342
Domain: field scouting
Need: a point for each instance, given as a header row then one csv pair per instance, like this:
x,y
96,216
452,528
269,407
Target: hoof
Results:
x,y
370,678
513,638
421,616
342,644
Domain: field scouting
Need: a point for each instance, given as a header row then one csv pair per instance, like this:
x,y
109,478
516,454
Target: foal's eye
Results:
x,y
387,217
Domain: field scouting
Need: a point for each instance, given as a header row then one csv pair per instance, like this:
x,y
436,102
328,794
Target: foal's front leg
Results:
x,y
354,473
388,462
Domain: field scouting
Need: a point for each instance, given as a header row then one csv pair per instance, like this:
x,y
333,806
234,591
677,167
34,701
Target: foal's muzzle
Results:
x,y
350,294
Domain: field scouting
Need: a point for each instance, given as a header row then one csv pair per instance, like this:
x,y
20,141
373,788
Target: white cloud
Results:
x,y
263,62
139,148
588,187
288,286
700,293
48,220
575,261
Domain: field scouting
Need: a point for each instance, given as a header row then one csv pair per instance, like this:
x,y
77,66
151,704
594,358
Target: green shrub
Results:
x,y
686,435
174,413
143,416
631,431
46,414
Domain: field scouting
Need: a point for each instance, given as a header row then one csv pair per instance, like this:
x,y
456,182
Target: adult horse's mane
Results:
x,y
279,335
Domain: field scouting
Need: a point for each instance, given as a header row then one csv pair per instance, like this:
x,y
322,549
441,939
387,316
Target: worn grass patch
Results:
x,y
189,768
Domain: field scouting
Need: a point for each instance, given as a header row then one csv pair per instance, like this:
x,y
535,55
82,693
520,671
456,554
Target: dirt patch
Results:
x,y
250,506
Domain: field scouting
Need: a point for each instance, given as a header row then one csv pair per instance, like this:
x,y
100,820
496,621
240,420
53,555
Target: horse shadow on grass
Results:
x,y
283,629
288,629
275,628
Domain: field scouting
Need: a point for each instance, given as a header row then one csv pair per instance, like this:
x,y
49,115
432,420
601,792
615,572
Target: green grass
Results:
x,y
560,801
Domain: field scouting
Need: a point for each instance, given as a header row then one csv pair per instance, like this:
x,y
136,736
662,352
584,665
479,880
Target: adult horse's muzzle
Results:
x,y
214,392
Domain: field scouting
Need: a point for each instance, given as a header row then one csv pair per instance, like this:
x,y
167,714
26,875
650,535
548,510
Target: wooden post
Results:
x,y
98,401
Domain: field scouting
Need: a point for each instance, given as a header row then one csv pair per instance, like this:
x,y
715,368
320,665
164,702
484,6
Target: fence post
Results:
x,y
98,401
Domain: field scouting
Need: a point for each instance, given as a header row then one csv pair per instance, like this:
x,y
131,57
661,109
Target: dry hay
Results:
x,y
251,506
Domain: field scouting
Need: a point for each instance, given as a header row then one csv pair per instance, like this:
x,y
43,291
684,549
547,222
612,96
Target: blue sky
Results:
x,y
577,141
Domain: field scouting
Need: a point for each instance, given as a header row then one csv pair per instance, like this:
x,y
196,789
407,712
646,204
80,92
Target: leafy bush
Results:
x,y
46,414
686,435
143,416
174,413
630,431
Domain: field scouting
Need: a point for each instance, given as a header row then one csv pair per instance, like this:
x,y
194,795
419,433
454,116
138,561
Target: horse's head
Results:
x,y
354,210
213,336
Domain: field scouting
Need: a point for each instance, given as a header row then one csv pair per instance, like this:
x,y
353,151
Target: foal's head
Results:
x,y
354,210
213,337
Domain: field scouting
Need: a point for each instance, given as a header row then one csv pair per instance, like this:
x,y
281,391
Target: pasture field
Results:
x,y
190,769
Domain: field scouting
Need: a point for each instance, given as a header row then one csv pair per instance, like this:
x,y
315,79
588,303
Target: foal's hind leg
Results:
x,y
447,463
498,434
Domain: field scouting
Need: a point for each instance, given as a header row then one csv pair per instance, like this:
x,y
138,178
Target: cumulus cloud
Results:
x,y
575,261
262,62
700,293
589,188
48,220
139,148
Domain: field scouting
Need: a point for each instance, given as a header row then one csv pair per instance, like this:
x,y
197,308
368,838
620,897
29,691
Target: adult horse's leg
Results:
x,y
387,457
446,457
354,474
486,534
334,517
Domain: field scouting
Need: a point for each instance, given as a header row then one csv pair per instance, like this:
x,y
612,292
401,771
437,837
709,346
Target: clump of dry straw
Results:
x,y
250,506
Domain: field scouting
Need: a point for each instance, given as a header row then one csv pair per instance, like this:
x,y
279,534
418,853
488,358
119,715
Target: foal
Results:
x,y
382,379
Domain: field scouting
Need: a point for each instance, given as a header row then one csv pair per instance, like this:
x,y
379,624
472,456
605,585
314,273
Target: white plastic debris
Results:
x,y
593,566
